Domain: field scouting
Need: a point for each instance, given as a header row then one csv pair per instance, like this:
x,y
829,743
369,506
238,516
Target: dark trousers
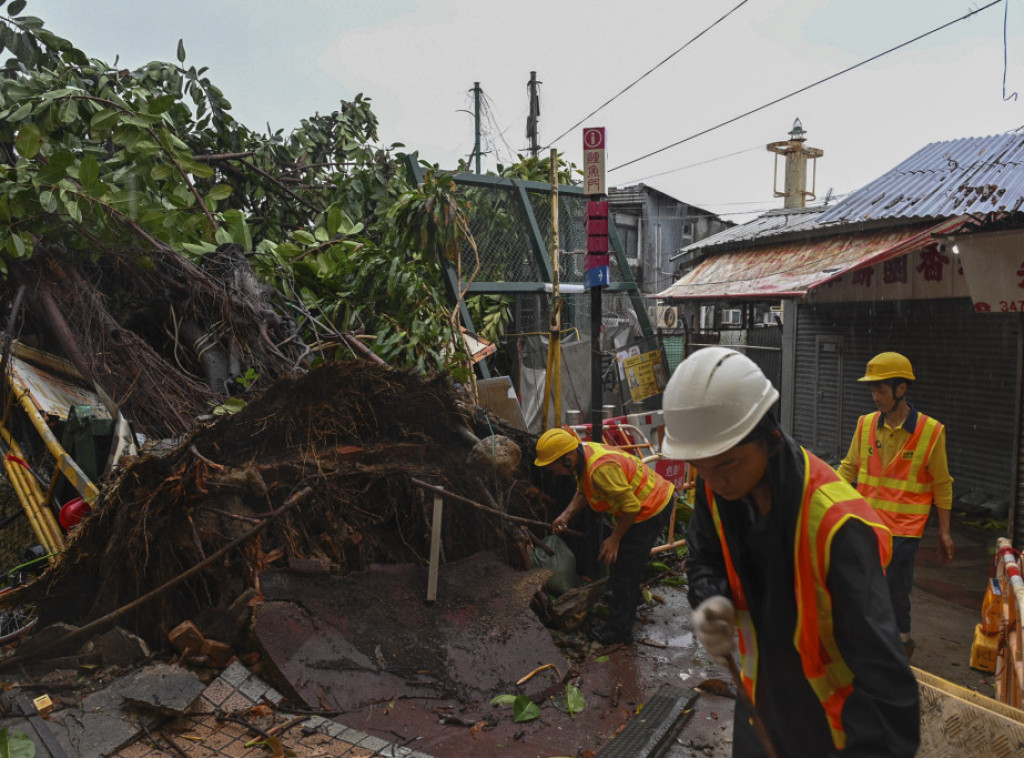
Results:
x,y
900,576
627,572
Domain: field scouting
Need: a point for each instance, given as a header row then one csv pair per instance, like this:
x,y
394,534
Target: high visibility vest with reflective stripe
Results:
x,y
901,489
649,488
828,502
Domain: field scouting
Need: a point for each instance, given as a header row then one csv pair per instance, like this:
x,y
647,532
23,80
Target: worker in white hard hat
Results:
x,y
786,559
639,501
897,460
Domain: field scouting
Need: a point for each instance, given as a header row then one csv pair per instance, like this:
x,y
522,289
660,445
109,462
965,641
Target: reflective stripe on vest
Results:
x,y
744,624
649,488
900,489
828,502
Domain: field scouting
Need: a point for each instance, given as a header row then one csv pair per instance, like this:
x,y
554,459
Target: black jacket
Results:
x,y
881,716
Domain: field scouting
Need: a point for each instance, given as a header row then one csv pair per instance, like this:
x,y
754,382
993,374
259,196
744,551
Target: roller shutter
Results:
x,y
966,365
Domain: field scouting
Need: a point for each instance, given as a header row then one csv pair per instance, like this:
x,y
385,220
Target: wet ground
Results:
x,y
371,649
423,677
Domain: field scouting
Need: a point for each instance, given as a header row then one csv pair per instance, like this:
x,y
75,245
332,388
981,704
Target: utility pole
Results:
x,y
476,111
534,117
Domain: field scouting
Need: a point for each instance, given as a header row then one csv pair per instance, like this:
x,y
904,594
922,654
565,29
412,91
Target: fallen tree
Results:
x,y
356,436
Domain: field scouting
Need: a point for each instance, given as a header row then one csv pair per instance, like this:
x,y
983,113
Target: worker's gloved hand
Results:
x,y
714,623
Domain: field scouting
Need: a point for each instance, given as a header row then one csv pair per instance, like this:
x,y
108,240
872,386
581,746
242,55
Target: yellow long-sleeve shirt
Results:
x,y
891,442
610,481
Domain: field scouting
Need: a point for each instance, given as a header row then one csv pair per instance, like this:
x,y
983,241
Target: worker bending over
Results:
x,y
787,553
897,459
639,501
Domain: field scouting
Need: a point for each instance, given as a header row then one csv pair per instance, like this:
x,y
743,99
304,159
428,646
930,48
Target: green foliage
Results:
x,y
248,378
16,744
536,169
574,700
491,315
229,407
523,709
102,161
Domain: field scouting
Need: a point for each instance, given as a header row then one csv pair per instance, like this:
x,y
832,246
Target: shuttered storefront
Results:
x,y
967,367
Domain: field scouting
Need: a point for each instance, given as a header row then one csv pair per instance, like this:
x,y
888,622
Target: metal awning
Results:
x,y
792,269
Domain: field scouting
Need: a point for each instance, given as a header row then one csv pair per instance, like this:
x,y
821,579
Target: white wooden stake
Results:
x,y
435,548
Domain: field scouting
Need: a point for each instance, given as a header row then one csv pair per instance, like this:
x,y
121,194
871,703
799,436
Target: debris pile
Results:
x,y
331,469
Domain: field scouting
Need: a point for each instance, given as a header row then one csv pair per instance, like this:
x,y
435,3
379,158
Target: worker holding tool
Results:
x,y
639,501
789,555
897,460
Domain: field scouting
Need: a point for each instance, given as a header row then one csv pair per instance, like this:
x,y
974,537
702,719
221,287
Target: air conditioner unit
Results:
x,y
668,317
732,317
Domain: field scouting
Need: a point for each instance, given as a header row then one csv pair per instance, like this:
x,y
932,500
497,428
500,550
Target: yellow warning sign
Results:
x,y
645,375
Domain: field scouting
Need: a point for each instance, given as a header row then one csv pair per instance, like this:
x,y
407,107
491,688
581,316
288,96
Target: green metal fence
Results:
x,y
510,221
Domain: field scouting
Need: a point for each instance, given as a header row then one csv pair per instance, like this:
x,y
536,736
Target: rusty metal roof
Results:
x,y
942,179
792,269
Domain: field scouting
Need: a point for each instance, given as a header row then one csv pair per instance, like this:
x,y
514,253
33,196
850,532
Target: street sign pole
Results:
x,y
595,270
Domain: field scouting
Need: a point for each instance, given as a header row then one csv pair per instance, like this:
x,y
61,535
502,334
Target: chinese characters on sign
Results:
x,y
593,161
925,273
894,270
595,270
932,264
674,471
863,276
645,375
994,267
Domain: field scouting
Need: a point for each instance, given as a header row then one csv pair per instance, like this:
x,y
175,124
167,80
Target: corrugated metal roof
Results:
x,y
787,221
943,179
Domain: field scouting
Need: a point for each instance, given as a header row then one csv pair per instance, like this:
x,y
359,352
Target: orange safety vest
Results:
x,y
650,488
828,502
900,489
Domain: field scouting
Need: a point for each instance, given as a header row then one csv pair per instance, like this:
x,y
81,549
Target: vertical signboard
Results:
x,y
593,161
595,270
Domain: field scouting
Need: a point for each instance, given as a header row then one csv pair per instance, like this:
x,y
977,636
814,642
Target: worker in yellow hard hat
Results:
x,y
786,561
897,459
637,498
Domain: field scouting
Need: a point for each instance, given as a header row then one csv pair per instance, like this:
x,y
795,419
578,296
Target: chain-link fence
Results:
x,y
507,253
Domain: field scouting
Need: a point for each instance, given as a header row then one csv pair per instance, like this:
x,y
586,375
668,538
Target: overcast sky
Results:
x,y
417,60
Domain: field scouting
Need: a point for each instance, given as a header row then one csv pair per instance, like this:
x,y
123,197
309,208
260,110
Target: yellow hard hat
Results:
x,y
888,366
553,444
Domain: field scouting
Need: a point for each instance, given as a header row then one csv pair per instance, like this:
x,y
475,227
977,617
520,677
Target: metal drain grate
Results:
x,y
651,732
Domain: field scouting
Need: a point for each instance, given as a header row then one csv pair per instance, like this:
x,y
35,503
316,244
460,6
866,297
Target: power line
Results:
x,y
648,73
809,86
489,112
694,165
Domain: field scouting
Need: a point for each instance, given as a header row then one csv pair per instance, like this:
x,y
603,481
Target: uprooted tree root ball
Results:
x,y
355,434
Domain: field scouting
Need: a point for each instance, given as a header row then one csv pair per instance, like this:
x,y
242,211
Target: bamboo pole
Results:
x,y
65,463
44,525
480,506
553,369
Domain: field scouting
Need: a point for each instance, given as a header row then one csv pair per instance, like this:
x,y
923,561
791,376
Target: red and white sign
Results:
x,y
593,161
994,265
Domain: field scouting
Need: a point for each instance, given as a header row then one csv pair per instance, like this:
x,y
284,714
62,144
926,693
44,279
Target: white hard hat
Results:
x,y
713,400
